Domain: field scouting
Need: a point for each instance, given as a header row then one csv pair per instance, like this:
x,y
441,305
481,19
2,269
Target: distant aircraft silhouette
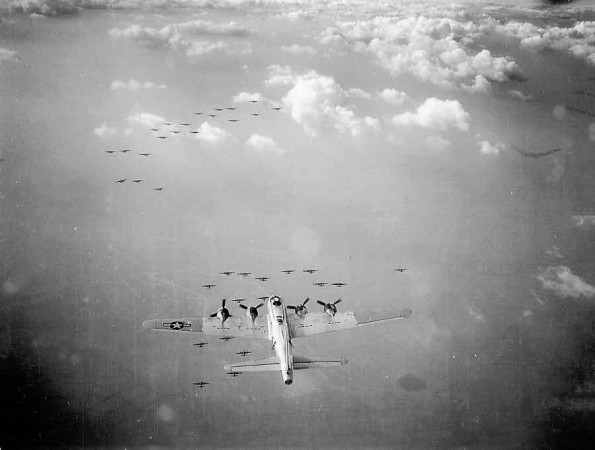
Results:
x,y
110,151
121,180
124,151
200,344
144,154
137,181
159,189
535,155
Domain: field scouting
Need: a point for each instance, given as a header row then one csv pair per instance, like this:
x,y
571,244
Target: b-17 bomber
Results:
x,y
233,120
159,189
200,384
338,284
144,154
244,274
262,278
227,272
288,271
277,108
124,151
137,181
282,326
200,344
208,286
401,270
243,353
121,180
310,271
320,284
110,151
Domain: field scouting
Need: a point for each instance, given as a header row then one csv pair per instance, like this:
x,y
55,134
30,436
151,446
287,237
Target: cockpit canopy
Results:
x,y
276,301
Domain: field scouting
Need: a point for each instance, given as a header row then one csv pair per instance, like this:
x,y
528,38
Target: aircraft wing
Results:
x,y
319,323
272,364
235,326
259,365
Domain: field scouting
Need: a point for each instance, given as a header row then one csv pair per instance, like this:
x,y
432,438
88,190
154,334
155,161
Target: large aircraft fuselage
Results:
x,y
279,335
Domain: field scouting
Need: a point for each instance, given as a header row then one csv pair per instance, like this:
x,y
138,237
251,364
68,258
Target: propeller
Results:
x,y
251,311
222,313
300,310
329,308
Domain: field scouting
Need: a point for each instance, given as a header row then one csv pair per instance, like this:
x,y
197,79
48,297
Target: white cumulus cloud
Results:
x,y
133,85
211,134
147,120
246,97
299,49
317,102
563,282
487,148
8,55
264,144
393,96
433,49
437,114
104,130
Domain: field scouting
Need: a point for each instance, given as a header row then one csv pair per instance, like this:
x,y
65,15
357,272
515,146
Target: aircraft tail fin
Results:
x,y
299,362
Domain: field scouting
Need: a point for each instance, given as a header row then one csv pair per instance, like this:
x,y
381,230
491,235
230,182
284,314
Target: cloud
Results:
x,y
393,97
299,49
178,37
104,131
211,134
133,85
514,93
264,144
317,102
487,148
279,75
585,220
358,93
246,97
433,49
437,114
576,40
147,120
8,55
42,7
563,282
437,142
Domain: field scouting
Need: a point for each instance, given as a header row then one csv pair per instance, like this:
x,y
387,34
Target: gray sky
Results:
x,y
396,145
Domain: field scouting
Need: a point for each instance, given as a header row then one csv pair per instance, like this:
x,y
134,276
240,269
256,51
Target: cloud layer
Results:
x,y
563,282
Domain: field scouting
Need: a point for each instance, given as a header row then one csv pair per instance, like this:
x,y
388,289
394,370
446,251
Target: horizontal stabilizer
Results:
x,y
259,365
300,362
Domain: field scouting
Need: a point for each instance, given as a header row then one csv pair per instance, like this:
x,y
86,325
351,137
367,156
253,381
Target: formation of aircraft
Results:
x,y
282,325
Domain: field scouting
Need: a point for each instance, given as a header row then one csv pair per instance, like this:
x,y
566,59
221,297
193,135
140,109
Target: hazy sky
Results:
x,y
399,143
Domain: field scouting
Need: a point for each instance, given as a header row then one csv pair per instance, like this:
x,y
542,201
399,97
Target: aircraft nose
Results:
x,y
288,381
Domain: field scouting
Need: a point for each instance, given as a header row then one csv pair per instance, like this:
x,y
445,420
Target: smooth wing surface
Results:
x,y
259,365
319,323
241,326
299,362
